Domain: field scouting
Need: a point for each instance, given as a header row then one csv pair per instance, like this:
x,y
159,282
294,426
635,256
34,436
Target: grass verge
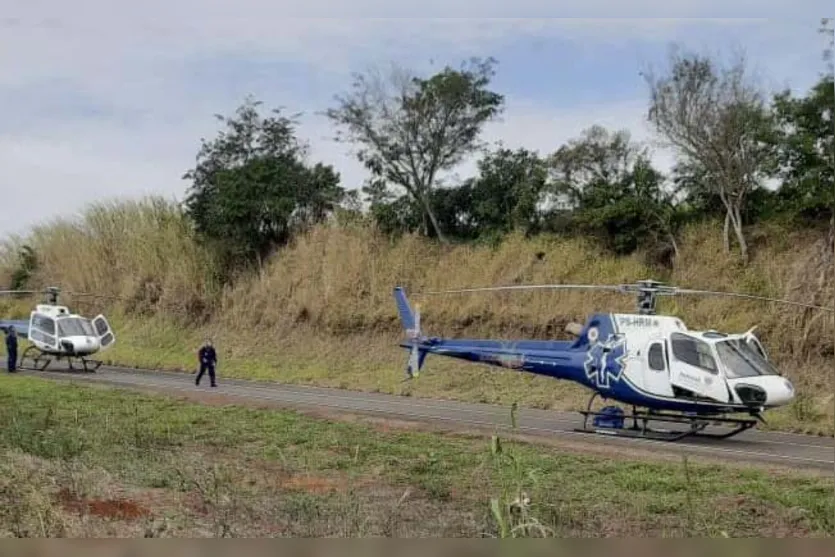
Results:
x,y
84,460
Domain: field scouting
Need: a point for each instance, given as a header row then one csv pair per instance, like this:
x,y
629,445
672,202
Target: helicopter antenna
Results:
x,y
646,293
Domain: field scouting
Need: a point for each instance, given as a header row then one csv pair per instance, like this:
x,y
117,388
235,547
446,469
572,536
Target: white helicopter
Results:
x,y
55,333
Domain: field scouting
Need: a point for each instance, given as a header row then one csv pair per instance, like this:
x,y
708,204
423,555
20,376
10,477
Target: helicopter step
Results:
x,y
41,360
611,420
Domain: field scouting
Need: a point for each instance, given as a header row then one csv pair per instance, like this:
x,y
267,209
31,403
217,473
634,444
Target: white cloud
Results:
x,y
133,61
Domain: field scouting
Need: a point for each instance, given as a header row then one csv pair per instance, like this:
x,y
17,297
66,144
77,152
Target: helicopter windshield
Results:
x,y
75,327
743,360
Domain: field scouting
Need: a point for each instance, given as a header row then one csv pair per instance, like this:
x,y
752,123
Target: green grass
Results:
x,y
203,470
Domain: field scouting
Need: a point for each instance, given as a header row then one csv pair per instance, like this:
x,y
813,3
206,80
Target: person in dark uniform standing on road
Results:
x,y
208,361
11,350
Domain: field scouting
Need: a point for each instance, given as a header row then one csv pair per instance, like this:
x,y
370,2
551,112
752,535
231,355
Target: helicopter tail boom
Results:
x,y
20,327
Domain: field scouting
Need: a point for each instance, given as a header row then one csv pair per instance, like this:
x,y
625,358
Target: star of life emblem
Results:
x,y
605,361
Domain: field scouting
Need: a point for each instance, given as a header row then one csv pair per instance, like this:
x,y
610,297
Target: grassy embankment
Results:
x,y
91,461
322,312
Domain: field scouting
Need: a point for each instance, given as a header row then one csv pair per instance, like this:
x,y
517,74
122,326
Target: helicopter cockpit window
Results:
x,y
44,323
693,352
75,327
742,360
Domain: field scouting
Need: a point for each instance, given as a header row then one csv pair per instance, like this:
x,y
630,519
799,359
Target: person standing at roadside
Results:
x,y
11,350
207,357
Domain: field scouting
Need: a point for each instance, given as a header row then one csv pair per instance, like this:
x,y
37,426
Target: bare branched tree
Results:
x,y
410,129
715,118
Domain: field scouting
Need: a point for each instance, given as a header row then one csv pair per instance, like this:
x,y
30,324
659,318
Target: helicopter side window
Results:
x,y
656,357
693,352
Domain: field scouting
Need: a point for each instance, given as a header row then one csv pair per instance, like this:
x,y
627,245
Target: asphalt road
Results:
x,y
750,447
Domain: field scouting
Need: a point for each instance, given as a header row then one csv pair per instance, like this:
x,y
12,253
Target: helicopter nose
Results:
x,y
780,392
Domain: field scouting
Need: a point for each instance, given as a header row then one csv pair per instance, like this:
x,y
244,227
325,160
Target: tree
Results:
x,y
251,189
615,190
27,266
806,150
393,214
828,32
507,191
715,118
410,129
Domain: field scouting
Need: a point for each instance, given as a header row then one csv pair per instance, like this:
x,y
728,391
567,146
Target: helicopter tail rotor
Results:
x,y
410,319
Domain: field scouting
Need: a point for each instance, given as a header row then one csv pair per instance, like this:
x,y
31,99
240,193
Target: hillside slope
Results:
x,y
322,312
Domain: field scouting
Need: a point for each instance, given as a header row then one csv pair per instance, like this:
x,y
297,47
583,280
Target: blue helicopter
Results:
x,y
644,360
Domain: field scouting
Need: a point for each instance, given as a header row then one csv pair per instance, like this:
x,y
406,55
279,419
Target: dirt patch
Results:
x,y
316,484
749,512
119,509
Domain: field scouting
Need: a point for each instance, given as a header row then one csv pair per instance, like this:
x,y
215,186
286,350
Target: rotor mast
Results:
x,y
52,295
646,296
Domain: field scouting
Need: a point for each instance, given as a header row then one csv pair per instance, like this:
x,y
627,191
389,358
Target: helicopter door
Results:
x,y
103,331
42,331
657,369
694,370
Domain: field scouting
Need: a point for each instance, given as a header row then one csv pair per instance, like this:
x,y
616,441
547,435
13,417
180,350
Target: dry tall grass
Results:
x,y
143,251
335,283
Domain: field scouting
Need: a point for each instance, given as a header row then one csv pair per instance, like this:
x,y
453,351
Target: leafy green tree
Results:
x,y
26,268
716,119
393,214
806,150
507,192
252,189
616,193
410,129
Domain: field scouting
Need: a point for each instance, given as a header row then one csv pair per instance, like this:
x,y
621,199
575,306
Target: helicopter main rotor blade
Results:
x,y
91,295
529,287
748,296
643,287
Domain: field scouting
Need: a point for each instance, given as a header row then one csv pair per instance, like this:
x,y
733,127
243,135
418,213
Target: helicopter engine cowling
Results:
x,y
80,345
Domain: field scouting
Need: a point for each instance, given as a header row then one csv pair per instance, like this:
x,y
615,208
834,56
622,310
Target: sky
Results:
x,y
99,101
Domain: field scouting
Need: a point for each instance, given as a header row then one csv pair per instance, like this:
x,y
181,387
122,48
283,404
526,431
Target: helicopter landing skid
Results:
x,y
41,360
89,366
616,425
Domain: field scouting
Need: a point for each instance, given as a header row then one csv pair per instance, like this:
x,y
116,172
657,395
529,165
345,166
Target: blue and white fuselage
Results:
x,y
645,361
